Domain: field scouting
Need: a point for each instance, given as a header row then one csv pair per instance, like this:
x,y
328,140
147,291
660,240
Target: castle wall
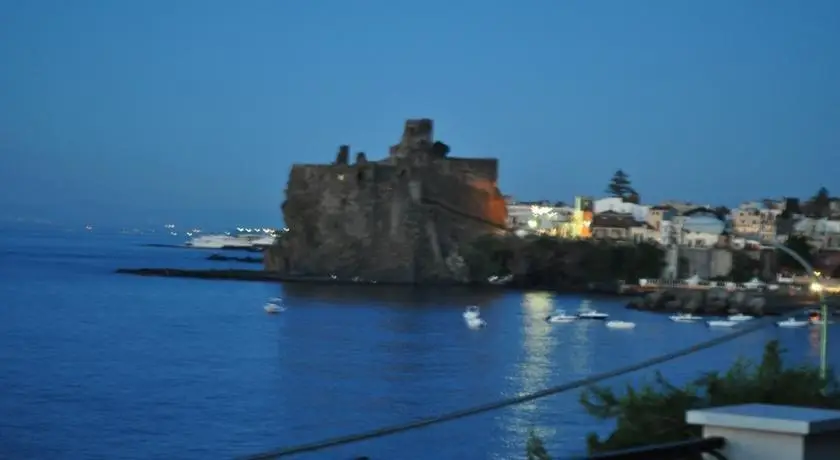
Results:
x,y
475,169
351,220
394,220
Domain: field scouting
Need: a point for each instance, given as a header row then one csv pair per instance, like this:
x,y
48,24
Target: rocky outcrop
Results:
x,y
400,219
716,302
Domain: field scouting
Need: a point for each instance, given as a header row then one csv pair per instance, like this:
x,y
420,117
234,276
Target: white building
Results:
x,y
537,216
619,206
823,233
695,232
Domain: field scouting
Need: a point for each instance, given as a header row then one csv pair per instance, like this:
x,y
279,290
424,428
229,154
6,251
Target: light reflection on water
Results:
x,y
533,371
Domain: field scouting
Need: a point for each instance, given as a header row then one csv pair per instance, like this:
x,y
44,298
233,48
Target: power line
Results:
x,y
394,429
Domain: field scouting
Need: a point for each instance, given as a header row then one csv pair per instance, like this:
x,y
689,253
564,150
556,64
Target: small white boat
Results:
x,y
722,323
587,312
620,325
273,308
739,317
560,316
276,300
790,322
685,318
472,312
500,280
475,322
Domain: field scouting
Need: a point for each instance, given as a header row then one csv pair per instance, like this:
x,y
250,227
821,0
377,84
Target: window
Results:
x,y
341,177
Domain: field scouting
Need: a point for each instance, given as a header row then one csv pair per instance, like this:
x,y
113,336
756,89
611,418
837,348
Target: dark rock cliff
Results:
x,y
400,219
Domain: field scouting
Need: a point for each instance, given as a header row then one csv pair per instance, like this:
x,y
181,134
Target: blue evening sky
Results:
x,y
137,111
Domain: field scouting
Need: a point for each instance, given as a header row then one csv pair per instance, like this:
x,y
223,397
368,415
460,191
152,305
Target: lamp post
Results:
x,y
817,287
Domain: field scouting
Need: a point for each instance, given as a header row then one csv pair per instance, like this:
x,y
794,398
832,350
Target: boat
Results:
x,y
472,312
276,300
587,312
685,318
620,325
273,308
790,322
475,322
500,280
721,323
739,317
224,241
560,316
815,318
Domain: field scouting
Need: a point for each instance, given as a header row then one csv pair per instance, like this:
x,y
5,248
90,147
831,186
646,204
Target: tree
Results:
x,y
655,413
440,149
798,244
744,267
620,186
486,256
534,449
722,212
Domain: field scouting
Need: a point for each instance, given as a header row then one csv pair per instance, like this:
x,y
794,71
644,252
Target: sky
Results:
x,y
195,109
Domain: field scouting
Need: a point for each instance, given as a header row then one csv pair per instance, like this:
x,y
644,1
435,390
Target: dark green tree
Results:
x,y
488,255
655,413
534,449
821,202
744,267
550,262
440,149
798,244
620,186
722,212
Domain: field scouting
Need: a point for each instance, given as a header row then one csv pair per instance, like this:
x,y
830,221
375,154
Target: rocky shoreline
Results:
x,y
719,302
224,258
709,302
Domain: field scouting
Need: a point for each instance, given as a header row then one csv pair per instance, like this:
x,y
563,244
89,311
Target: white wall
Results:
x,y
519,216
639,212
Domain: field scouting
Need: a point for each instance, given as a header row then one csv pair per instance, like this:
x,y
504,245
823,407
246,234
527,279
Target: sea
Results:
x,y
99,365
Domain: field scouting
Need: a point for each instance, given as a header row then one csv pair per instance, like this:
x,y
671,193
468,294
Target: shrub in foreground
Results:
x,y
655,413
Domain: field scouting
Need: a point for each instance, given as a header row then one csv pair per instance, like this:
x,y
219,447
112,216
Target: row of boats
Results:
x,y
739,318
472,316
586,312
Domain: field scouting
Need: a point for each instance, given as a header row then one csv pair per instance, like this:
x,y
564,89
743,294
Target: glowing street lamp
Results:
x,y
816,287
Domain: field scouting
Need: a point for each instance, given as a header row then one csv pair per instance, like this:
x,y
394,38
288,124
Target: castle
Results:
x,y
401,219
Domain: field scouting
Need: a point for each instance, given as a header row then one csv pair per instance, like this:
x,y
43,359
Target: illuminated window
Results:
x,y
341,177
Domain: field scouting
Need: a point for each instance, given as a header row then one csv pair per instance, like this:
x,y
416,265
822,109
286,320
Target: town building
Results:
x,y
611,225
538,217
757,220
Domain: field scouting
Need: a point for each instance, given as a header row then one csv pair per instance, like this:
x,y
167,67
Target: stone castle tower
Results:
x,y
394,220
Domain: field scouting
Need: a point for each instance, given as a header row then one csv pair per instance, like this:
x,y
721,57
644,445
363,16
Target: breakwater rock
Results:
x,y
223,258
718,302
238,275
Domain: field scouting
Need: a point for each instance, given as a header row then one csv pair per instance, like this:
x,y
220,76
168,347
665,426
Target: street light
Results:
x,y
817,287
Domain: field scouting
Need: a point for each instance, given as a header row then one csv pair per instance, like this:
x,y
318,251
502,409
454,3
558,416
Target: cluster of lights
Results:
x,y
254,230
541,212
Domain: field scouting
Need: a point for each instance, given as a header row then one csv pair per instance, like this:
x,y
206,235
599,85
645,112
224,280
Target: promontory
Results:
x,y
400,219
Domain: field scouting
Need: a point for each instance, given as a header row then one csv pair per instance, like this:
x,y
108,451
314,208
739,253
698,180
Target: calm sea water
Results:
x,y
95,365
